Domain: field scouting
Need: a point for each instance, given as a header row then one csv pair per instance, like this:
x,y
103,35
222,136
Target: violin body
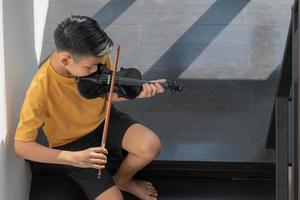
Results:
x,y
128,91
97,84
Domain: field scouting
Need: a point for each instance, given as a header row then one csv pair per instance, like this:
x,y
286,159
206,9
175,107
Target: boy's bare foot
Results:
x,y
142,189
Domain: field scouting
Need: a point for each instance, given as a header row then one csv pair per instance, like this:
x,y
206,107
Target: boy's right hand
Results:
x,y
90,158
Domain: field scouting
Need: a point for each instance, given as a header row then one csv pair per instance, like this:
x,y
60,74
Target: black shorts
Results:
x,y
87,178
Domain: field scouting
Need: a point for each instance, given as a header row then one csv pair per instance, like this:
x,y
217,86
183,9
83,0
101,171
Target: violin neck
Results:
x,y
135,82
164,85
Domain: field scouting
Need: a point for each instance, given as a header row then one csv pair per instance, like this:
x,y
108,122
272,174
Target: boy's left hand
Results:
x,y
150,90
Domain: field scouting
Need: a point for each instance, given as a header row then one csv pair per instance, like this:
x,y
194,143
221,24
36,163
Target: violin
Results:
x,y
128,83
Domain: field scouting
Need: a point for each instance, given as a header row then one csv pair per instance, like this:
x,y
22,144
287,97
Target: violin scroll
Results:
x,y
173,86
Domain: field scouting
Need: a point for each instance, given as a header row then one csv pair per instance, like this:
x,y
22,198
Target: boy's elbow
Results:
x,y
18,148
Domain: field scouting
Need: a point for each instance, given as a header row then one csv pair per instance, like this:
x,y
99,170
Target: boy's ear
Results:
x,y
65,61
65,58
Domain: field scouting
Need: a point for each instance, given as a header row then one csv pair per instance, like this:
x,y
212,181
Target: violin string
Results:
x,y
129,83
125,81
120,77
120,82
128,79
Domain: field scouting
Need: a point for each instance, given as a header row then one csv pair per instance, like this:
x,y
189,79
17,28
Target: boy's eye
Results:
x,y
92,66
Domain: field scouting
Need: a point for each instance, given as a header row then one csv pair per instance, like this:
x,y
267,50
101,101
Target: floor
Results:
x,y
210,189
169,188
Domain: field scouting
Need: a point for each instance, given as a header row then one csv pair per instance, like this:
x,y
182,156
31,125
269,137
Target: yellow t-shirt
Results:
x,y
54,100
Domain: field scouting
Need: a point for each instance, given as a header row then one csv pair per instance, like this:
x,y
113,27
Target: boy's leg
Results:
x,y
112,193
142,146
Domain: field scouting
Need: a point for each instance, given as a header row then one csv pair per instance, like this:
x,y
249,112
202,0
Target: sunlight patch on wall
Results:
x,y
40,14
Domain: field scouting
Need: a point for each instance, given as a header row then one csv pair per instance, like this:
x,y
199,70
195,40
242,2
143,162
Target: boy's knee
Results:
x,y
150,147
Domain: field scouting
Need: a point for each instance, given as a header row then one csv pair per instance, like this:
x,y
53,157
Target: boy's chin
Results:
x,y
82,75
78,74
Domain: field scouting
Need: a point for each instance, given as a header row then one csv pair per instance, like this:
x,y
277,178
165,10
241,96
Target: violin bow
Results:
x,y
109,102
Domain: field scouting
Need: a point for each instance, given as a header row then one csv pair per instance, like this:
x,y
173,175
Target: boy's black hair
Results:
x,y
81,35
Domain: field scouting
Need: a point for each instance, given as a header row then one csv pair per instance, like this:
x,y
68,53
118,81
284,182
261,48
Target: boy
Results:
x,y
73,124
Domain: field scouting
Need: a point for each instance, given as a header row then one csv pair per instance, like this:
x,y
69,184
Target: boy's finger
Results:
x,y
153,89
98,161
98,155
160,80
98,166
160,88
100,150
148,90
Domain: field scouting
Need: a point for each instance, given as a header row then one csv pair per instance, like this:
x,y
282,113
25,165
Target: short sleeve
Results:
x,y
32,114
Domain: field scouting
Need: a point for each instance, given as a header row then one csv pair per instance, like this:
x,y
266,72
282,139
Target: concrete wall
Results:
x,y
20,22
2,101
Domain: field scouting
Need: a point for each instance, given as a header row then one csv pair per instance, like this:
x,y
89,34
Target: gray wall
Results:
x,y
19,64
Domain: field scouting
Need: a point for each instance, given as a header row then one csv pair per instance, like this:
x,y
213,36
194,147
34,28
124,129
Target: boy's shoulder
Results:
x,y
40,79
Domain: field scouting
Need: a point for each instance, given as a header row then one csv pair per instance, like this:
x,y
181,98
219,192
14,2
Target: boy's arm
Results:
x,y
149,90
89,158
36,152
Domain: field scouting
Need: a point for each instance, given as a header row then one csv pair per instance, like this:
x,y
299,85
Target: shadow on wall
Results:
x,y
177,51
20,65
106,13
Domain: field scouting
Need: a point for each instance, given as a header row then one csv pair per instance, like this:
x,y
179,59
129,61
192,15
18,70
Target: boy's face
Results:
x,y
82,66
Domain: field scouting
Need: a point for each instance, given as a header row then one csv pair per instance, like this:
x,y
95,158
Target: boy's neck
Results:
x,y
58,68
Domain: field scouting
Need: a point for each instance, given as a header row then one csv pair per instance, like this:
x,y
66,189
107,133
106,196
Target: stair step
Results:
x,y
60,187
